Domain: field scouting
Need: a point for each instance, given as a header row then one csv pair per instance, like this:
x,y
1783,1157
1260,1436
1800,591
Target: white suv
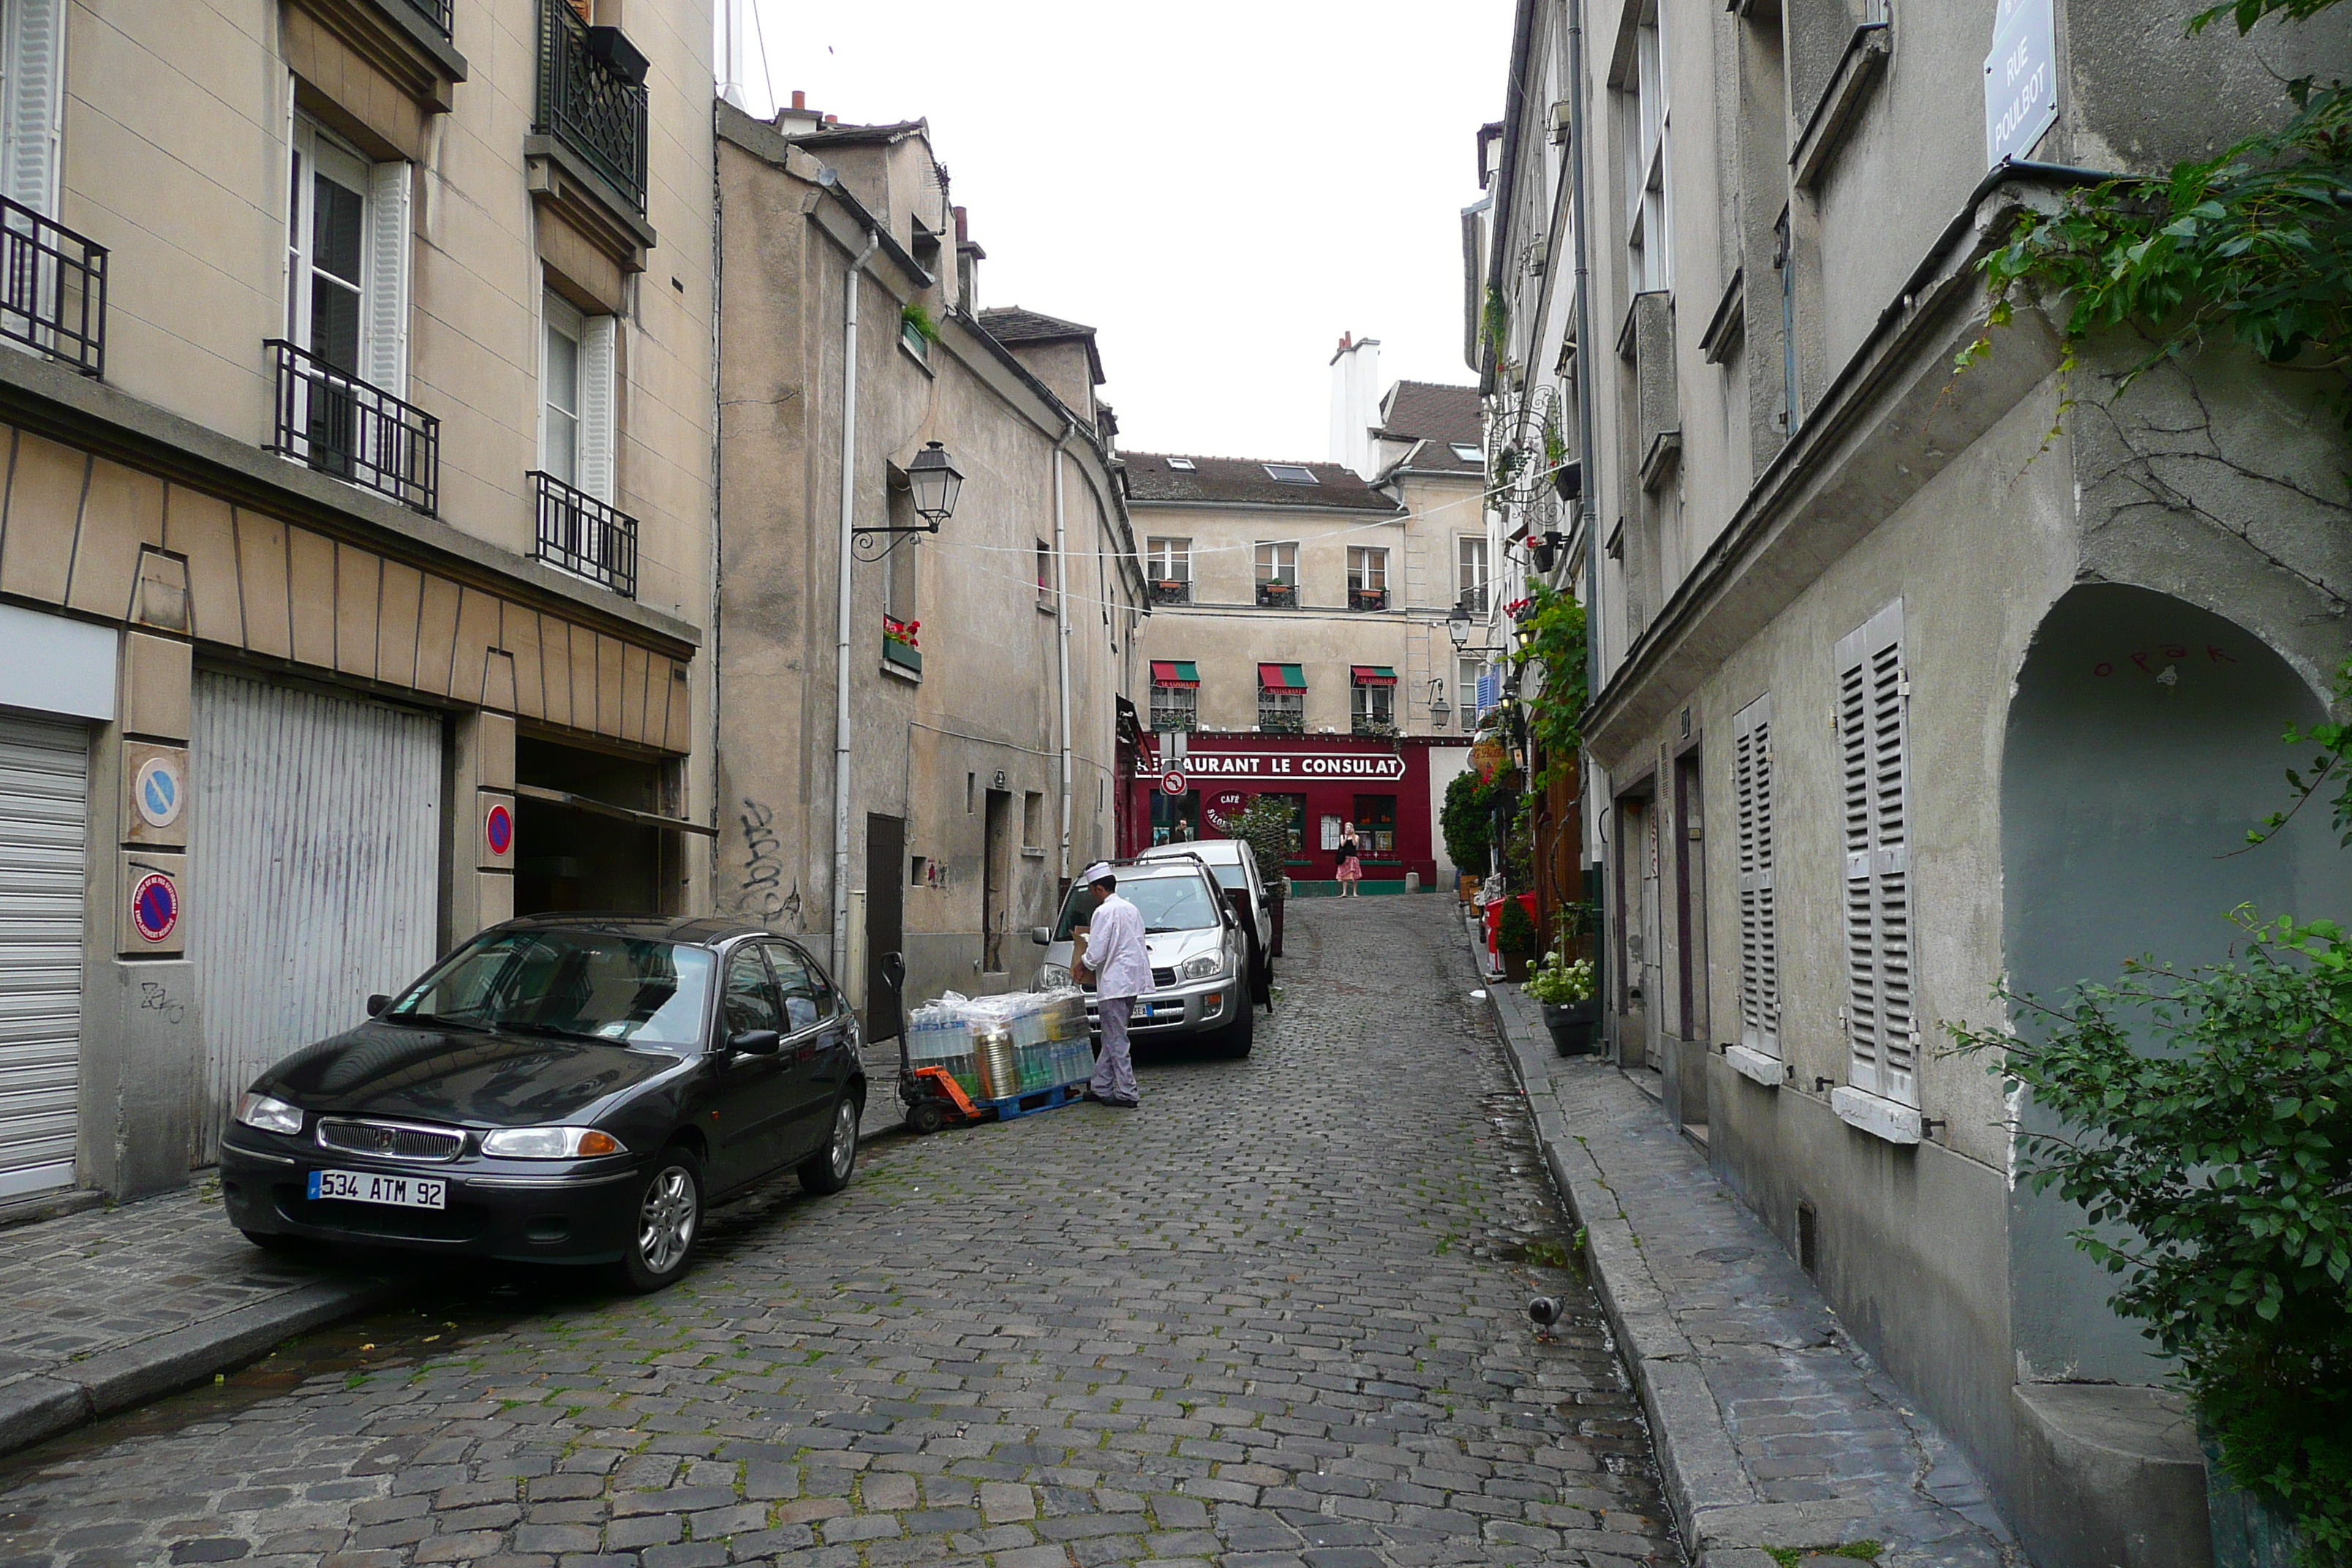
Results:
x,y
1234,866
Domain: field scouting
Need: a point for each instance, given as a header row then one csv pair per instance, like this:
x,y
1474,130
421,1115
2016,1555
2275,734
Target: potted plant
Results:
x,y
1570,1008
1515,936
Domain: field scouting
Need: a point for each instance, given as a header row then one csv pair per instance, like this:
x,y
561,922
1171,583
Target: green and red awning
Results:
x,y
1375,674
1282,678
1179,673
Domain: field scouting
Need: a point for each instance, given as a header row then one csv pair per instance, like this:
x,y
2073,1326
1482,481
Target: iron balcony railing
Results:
x,y
585,536
591,97
52,288
1273,722
341,426
1171,591
1361,725
1368,599
436,13
1278,596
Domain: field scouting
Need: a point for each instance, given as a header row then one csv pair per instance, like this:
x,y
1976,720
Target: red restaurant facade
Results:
x,y
1381,785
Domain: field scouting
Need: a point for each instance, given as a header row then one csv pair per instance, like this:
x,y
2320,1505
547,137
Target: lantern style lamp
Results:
x,y
1458,626
1439,709
935,482
1524,633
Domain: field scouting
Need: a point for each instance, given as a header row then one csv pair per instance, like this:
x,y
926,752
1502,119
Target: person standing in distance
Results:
x,y
1121,966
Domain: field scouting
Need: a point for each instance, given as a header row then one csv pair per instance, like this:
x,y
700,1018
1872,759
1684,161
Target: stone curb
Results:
x,y
74,1393
1715,1501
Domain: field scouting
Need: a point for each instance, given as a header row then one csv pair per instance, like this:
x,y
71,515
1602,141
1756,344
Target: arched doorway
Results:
x,y
2143,742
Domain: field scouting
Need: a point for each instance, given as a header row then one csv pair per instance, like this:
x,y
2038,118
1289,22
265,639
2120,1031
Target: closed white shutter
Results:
x,y
44,828
314,870
33,58
1874,749
598,338
1760,932
387,279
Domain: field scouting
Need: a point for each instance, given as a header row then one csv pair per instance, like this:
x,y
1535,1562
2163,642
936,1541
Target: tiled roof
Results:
x,y
1425,409
820,134
1439,457
1244,482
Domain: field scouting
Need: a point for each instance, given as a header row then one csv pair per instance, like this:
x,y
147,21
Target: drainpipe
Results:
x,y
1061,636
841,642
1593,810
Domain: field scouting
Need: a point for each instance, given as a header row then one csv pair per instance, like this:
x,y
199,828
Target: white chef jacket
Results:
x,y
1115,950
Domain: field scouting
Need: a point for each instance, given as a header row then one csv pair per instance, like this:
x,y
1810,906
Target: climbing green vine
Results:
x,y
1555,712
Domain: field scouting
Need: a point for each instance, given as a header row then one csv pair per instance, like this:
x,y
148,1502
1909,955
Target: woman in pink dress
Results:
x,y
1351,869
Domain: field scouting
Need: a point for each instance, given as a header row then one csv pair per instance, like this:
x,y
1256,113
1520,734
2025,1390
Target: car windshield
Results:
x,y
1228,873
590,985
1172,902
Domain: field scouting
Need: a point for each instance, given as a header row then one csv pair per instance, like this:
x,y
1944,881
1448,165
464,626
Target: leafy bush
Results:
x,y
1269,829
1516,933
1465,821
2210,1114
1556,709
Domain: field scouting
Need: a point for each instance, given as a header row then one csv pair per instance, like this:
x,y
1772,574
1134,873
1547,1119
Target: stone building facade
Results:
x,y
1908,679
986,663
356,524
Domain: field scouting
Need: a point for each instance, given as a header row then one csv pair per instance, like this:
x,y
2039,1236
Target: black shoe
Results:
x,y
1126,1104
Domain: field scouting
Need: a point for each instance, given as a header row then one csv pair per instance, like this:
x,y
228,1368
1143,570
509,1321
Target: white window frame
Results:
x,y
1373,704
1290,473
1179,702
1466,671
32,101
1648,128
1278,562
595,339
1880,1011
383,190
1474,572
1169,560
1759,856
1368,568
1466,453
1181,465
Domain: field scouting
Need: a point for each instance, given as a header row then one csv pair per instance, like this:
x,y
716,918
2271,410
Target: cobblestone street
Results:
x,y
1276,1318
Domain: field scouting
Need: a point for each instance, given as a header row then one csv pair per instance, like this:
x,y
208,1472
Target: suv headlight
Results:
x,y
1207,966
549,1144
1053,977
260,1110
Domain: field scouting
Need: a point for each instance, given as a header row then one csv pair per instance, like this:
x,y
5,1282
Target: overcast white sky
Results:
x,y
1222,189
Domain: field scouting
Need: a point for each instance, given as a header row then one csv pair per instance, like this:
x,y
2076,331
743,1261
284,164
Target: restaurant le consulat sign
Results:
x,y
1333,766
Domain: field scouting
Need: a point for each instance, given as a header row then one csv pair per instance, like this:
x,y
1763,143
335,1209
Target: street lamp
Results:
x,y
1458,626
1439,709
1524,633
935,482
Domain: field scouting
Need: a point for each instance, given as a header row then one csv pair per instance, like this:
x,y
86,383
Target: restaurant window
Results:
x,y
1296,805
1368,578
1282,698
1175,818
1470,585
1375,822
1277,576
1175,694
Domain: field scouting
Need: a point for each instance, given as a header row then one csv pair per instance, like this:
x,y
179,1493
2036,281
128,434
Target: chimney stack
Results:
x,y
1355,404
800,98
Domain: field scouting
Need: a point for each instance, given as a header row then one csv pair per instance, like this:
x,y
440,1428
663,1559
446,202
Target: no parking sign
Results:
x,y
155,907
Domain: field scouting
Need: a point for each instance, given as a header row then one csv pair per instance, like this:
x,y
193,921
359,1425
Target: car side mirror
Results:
x,y
377,1004
1041,935
755,1042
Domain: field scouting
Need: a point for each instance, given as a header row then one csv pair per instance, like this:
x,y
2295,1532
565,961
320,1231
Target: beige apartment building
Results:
x,y
1909,681
355,546
1312,599
918,725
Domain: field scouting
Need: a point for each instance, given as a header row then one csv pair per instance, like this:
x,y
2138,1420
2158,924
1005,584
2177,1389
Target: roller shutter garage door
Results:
x,y
314,865
44,829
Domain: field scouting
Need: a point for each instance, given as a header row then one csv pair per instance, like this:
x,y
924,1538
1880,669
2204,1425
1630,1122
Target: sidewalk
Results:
x,y
1772,1428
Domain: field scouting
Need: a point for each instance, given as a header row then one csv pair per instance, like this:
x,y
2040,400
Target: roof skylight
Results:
x,y
1184,463
1466,453
1291,473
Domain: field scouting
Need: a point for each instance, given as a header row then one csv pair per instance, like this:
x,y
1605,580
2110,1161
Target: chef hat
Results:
x,y
1098,873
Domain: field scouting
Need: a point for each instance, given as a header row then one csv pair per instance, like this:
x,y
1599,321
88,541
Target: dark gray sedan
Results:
x,y
562,1088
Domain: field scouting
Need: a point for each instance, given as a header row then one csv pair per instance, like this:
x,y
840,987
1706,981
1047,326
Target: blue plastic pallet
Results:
x,y
1031,1103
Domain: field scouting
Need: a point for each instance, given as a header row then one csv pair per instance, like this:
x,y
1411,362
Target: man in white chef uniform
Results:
x,y
1121,966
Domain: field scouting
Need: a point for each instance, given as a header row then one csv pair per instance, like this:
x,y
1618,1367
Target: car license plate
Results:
x,y
399,1192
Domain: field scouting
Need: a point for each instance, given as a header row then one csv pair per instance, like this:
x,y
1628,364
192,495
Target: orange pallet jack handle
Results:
x,y
945,1081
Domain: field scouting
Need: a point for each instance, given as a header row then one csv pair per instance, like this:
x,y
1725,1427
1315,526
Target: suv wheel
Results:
x,y
1235,1038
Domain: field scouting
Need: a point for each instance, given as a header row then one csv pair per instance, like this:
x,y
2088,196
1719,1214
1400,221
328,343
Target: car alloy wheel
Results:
x,y
669,1223
827,1171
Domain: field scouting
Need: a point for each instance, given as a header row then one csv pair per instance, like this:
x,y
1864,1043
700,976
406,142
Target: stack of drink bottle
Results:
x,y
1000,1047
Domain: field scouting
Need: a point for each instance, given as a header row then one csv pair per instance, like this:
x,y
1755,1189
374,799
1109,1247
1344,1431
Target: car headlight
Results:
x,y
258,1111
549,1144
1053,977
1204,967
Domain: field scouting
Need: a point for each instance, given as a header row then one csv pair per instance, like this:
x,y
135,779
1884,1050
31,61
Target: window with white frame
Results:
x,y
1291,473
1181,465
1372,707
1759,922
1175,707
1467,672
576,397
1277,575
1649,140
1367,577
1875,765
1171,560
347,258
1470,582
32,96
